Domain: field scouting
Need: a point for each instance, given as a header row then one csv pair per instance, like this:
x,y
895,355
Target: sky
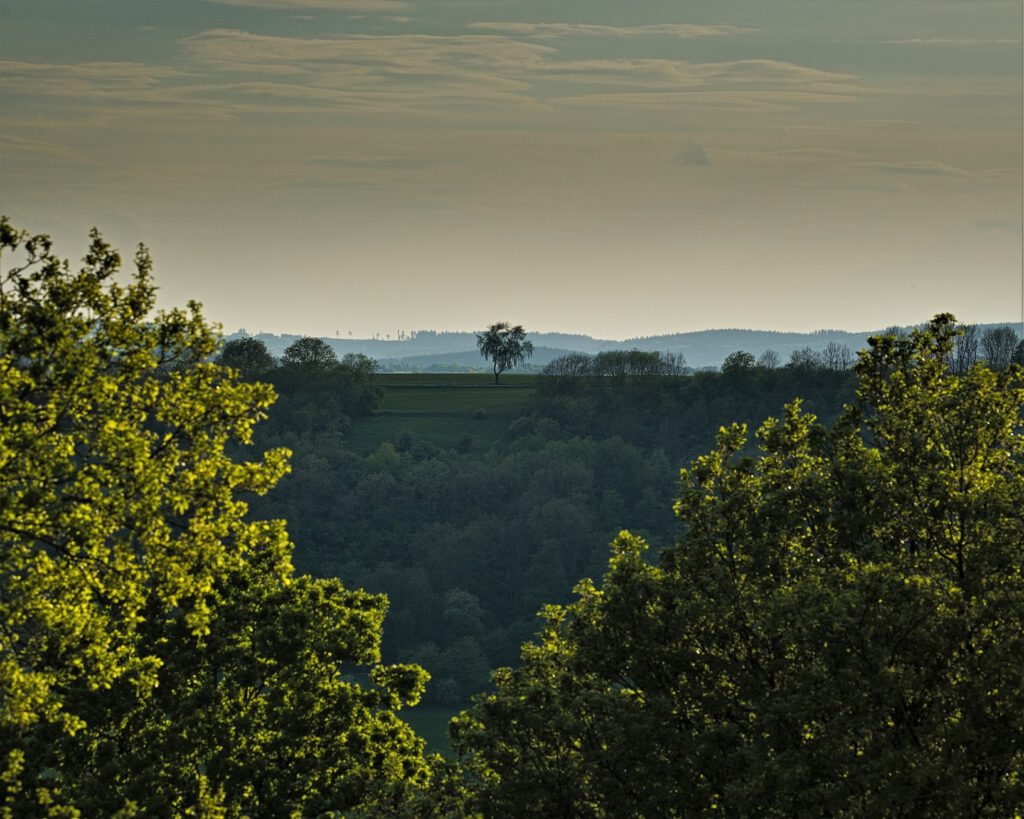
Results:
x,y
617,169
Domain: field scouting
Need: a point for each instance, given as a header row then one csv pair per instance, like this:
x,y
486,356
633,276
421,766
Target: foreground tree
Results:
x,y
840,631
157,655
504,346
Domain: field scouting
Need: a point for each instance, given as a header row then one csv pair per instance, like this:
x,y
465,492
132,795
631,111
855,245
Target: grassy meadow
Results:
x,y
443,408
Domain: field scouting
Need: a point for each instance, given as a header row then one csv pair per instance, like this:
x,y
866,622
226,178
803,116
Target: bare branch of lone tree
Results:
x,y
998,345
837,357
769,360
965,349
504,346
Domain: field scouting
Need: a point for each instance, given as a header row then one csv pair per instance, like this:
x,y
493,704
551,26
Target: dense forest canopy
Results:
x,y
824,619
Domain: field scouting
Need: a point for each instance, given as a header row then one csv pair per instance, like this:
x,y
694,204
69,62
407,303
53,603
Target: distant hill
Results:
x,y
429,350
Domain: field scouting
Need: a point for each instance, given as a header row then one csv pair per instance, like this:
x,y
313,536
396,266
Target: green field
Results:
x,y
455,379
443,408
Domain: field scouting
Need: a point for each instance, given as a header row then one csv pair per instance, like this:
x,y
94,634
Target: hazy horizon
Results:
x,y
1015,324
335,166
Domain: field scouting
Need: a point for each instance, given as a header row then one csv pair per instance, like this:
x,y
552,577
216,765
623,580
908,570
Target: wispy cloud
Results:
x,y
916,168
411,72
14,145
747,101
654,74
671,85
403,68
231,72
406,55
955,41
680,31
1008,225
381,6
85,80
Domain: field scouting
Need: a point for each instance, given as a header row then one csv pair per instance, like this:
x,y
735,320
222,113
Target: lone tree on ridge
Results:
x,y
504,346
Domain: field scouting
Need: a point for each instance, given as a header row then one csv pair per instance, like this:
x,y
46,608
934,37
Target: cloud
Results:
x,y
382,6
664,73
419,72
667,85
228,72
15,145
125,80
1008,225
412,56
350,160
915,168
560,30
115,71
814,154
385,73
746,101
955,41
695,155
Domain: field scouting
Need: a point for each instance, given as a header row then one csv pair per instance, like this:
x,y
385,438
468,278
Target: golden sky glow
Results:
x,y
615,168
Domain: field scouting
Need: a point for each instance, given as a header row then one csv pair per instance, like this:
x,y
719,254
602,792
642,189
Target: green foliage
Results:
x,y
309,353
627,364
566,373
840,630
360,366
681,416
247,355
738,362
439,414
157,655
504,346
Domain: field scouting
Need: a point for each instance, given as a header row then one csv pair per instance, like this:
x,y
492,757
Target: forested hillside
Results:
x,y
470,534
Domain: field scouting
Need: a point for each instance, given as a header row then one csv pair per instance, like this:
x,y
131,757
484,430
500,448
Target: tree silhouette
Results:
x,y
504,346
